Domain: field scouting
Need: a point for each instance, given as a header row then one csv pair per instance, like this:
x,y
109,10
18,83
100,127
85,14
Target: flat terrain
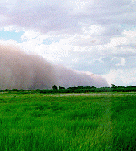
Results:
x,y
68,122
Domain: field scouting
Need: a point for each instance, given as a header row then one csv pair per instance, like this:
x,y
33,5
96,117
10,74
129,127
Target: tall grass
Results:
x,y
124,123
35,122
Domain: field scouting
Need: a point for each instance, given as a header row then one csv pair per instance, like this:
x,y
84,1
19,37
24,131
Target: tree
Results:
x,y
113,86
61,88
54,87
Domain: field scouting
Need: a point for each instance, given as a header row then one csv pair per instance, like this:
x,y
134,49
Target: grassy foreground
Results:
x,y
88,122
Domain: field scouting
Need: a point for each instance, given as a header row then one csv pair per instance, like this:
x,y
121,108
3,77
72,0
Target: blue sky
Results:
x,y
93,36
13,35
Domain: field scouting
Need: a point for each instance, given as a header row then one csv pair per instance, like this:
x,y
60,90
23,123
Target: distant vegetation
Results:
x,y
76,89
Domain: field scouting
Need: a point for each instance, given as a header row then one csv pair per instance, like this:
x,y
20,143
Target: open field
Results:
x,y
68,122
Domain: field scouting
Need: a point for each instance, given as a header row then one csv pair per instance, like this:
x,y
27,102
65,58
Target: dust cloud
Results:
x,y
19,70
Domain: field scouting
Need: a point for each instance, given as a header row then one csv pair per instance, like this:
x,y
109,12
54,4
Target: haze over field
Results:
x,y
92,36
19,70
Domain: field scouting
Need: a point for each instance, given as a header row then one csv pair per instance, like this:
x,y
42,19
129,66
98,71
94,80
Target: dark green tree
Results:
x,y
61,88
113,86
54,87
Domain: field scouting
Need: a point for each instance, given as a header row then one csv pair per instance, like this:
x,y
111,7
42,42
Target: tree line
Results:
x,y
75,89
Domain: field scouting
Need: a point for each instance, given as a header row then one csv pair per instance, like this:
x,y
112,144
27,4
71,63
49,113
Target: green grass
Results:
x,y
92,122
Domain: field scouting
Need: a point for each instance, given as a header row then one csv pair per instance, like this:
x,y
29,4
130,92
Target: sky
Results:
x,y
95,36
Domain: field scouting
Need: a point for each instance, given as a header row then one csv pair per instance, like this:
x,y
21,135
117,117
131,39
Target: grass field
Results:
x,y
59,122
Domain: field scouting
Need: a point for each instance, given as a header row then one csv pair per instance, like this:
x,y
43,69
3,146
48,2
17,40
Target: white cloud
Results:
x,y
71,50
121,77
122,62
68,16
93,30
9,42
118,41
96,36
29,35
9,28
130,33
